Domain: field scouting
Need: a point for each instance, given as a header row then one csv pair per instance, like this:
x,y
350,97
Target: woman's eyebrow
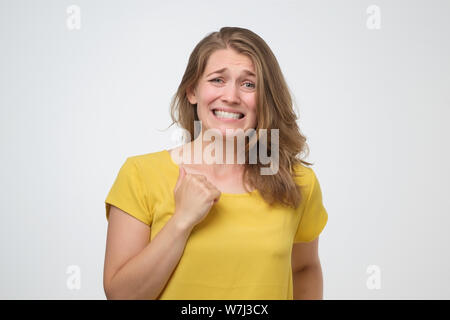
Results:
x,y
247,72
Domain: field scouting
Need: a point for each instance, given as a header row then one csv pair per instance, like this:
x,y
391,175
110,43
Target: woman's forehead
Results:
x,y
226,59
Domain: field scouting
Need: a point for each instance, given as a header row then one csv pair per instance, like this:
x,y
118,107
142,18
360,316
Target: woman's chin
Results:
x,y
227,132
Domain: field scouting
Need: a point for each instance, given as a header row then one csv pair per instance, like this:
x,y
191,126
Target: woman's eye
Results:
x,y
252,85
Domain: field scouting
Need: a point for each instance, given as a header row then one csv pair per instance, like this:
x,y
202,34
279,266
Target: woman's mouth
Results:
x,y
227,116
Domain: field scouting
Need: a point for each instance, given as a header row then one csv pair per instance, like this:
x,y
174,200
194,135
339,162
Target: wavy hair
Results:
x,y
274,111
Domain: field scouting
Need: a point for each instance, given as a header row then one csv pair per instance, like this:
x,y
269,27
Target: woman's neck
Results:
x,y
205,156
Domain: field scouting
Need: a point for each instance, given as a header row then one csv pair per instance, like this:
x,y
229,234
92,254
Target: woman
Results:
x,y
188,230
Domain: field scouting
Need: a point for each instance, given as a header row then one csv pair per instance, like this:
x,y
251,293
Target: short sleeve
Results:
x,y
314,217
128,193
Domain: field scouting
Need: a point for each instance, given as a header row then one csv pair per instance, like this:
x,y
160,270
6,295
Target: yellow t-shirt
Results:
x,y
240,250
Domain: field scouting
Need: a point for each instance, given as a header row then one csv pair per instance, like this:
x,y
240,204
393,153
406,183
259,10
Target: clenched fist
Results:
x,y
194,197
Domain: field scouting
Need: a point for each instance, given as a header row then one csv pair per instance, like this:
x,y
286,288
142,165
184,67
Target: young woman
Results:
x,y
198,230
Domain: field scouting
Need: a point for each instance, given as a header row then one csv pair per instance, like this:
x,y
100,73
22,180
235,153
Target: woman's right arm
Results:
x,y
137,269
134,267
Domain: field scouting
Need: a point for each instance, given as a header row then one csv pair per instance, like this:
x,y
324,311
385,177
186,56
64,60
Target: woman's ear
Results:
x,y
191,96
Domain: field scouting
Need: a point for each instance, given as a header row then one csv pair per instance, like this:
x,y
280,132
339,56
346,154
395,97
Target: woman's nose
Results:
x,y
231,94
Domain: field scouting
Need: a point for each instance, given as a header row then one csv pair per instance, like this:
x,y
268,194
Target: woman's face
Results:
x,y
229,84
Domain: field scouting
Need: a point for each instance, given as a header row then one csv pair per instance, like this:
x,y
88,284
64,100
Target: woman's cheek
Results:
x,y
210,94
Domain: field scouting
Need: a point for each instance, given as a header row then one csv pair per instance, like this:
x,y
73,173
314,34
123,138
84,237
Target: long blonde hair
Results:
x,y
274,110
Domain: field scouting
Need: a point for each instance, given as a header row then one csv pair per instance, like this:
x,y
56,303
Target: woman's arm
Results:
x,y
308,283
135,268
307,271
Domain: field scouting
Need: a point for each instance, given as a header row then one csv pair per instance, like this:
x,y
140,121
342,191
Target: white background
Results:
x,y
373,104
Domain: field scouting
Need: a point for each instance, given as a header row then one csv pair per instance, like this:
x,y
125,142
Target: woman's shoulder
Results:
x,y
308,181
302,170
147,156
151,161
303,175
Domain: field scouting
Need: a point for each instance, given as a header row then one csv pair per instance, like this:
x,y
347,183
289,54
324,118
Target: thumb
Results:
x,y
182,174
